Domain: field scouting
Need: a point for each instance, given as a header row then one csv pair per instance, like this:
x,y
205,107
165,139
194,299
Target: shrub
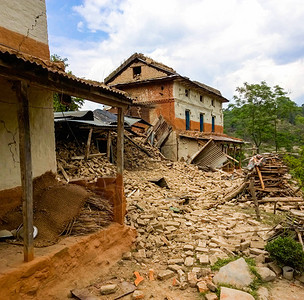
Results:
x,y
287,252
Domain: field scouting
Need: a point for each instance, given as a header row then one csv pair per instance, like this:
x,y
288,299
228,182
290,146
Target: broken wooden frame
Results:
x,y
30,71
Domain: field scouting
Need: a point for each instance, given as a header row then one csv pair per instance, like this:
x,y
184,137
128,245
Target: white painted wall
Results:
x,y
42,134
193,103
27,17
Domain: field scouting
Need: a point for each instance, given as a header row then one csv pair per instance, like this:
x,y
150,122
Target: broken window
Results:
x,y
136,72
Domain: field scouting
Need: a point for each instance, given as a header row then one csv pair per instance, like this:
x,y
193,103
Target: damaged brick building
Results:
x,y
192,110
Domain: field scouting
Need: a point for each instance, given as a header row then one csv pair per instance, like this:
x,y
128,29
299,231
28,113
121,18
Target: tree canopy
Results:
x,y
62,102
265,116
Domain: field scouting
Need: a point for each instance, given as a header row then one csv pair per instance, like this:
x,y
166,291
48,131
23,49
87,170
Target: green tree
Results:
x,y
63,102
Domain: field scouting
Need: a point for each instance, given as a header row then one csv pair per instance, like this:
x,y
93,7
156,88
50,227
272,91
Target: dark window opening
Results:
x,y
187,119
187,92
213,124
162,87
201,98
212,102
201,122
136,72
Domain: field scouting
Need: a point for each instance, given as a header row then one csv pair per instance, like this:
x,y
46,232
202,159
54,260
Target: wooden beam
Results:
x,y
120,205
25,169
109,144
87,151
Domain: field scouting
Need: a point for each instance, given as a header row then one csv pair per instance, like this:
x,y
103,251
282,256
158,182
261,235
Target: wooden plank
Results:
x,y
87,151
25,169
281,199
120,205
138,146
65,175
109,144
260,177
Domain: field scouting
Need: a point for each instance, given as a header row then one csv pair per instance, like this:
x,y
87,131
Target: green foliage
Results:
x,y
287,252
74,103
222,262
265,116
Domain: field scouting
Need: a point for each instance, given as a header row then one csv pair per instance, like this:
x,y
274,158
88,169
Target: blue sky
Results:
x,y
222,43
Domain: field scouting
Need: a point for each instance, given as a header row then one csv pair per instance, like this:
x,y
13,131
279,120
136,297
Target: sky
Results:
x,y
221,43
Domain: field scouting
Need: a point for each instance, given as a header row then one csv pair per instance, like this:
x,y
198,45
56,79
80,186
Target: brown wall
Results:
x,y
146,73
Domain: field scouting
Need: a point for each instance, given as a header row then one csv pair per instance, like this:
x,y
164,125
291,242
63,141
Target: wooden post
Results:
x,y
120,205
255,201
109,143
87,152
25,169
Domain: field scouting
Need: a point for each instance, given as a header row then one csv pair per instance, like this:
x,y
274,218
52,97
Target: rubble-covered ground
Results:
x,y
181,234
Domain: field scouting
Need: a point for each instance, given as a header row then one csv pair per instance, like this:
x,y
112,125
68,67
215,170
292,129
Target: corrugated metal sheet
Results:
x,y
210,156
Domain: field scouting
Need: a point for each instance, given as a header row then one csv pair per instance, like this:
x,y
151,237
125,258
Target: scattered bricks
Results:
x,y
141,222
164,275
151,275
244,245
184,285
147,217
189,261
170,228
175,282
196,269
181,275
149,229
219,241
138,279
260,259
202,244
205,271
174,268
253,222
257,244
213,259
192,279
214,245
201,250
141,253
173,223
108,289
164,240
211,286
275,268
127,256
204,259
256,251
202,287
189,253
138,295
211,296
188,247
175,261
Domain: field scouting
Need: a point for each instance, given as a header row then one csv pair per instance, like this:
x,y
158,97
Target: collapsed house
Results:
x,y
183,112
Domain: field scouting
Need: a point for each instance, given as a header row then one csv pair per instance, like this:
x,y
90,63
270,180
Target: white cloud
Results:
x,y
222,43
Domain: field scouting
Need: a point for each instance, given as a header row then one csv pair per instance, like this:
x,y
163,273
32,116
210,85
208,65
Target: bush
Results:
x,y
287,252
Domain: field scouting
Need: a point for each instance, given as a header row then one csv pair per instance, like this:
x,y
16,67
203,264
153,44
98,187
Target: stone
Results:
x,y
202,249
211,296
192,279
232,294
213,259
257,244
174,268
211,286
236,273
205,271
204,259
188,247
275,268
138,295
127,256
260,259
253,222
263,293
266,274
164,275
244,245
108,289
175,261
189,261
256,251
189,253
202,287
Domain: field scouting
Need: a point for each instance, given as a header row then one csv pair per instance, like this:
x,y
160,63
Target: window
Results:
x,y
187,115
213,124
201,98
187,92
212,102
136,72
201,122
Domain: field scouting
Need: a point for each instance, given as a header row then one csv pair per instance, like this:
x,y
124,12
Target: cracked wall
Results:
x,y
23,26
42,134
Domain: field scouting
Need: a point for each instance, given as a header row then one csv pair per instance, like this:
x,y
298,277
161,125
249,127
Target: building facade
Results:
x,y
160,90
